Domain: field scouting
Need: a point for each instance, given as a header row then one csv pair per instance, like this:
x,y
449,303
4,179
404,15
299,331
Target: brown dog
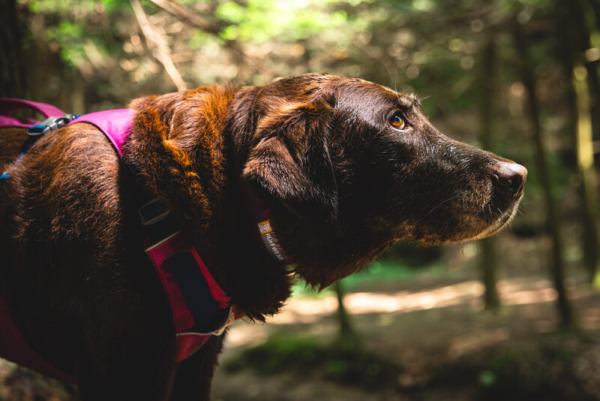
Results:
x,y
347,167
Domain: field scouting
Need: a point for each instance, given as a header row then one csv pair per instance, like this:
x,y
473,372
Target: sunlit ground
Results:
x,y
468,294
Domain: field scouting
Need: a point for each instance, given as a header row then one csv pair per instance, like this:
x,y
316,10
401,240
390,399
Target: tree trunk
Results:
x,y
582,99
12,70
593,77
489,264
347,338
567,319
587,170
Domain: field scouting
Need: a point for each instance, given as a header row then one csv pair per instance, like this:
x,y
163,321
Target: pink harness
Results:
x,y
116,125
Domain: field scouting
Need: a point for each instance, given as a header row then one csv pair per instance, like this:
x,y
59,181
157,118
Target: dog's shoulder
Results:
x,y
64,182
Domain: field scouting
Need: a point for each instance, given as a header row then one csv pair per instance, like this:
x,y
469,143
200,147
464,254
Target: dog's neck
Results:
x,y
198,179
194,146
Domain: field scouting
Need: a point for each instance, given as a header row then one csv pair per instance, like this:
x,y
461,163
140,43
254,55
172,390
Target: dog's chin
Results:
x,y
498,224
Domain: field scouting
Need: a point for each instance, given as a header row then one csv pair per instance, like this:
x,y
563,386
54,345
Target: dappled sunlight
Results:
x,y
304,310
514,292
245,334
314,316
530,296
405,301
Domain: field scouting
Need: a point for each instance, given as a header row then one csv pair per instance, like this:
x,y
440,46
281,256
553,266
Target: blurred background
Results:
x,y
515,317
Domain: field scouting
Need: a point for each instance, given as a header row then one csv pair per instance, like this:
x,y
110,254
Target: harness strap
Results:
x,y
115,124
199,307
8,105
14,348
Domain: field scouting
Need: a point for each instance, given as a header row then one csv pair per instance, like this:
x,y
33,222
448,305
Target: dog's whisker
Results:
x,y
439,204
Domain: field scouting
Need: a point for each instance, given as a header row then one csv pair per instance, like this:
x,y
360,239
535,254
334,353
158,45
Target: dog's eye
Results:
x,y
397,121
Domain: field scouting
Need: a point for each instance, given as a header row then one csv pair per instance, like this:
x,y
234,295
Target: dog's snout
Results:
x,y
510,176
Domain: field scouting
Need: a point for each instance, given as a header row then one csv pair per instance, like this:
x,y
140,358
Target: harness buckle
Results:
x,y
152,212
35,132
50,124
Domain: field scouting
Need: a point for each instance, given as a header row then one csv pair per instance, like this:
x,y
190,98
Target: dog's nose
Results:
x,y
510,177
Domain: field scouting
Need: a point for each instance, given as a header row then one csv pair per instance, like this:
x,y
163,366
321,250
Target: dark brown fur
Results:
x,y
341,183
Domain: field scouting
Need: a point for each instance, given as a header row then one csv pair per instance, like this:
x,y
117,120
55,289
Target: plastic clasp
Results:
x,y
152,212
50,124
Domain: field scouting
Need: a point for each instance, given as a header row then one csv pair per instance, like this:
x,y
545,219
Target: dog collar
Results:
x,y
263,227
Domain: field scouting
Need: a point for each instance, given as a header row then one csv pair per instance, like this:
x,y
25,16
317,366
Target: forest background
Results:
x,y
513,317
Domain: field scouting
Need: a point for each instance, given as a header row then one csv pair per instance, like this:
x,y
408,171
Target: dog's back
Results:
x,y
12,139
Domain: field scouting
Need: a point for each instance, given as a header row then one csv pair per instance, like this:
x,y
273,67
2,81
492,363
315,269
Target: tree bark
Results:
x,y
12,69
587,170
567,319
347,338
583,97
489,263
591,66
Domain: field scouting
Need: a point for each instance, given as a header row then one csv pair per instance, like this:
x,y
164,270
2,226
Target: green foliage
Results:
x,y
288,21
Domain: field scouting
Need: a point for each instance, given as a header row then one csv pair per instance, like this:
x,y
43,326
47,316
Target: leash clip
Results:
x,y
50,124
35,132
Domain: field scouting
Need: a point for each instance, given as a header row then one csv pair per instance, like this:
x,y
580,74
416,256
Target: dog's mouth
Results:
x,y
499,223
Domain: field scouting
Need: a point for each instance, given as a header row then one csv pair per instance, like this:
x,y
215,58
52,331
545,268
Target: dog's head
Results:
x,y
355,159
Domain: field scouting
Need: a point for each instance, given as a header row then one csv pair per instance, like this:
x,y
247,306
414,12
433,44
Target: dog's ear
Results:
x,y
291,160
